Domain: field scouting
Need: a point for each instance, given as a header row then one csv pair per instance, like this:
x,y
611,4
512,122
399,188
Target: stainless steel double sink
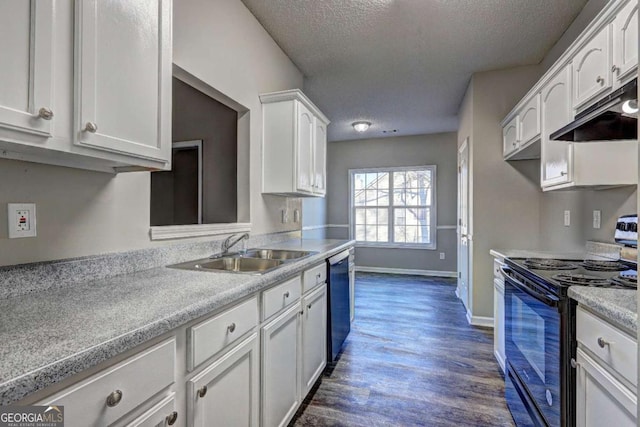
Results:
x,y
253,261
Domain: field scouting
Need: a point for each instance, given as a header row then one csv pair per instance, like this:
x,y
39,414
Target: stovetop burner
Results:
x,y
627,279
548,264
594,265
580,279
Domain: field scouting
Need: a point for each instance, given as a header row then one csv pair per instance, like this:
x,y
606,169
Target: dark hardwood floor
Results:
x,y
411,359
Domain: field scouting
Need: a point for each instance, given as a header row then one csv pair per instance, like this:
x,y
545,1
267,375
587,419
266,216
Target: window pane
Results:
x,y
360,233
383,234
383,216
399,179
372,179
372,217
383,180
359,198
358,181
372,198
383,197
371,234
399,197
360,215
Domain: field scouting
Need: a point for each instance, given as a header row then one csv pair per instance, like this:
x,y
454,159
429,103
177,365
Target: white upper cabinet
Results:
x,y
591,68
294,145
123,84
510,136
26,69
304,148
320,158
625,43
530,121
556,113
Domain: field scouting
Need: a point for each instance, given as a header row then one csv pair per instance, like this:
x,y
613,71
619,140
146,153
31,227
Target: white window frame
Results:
x,y
390,244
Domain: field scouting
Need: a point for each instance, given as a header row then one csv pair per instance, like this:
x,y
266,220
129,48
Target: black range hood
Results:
x,y
613,118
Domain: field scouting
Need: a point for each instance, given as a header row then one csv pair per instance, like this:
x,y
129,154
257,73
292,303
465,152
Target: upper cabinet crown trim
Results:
x,y
291,95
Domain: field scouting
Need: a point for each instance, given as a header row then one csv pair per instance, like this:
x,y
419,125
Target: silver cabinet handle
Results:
x,y
615,69
602,342
45,113
231,328
91,127
202,391
600,80
172,418
574,364
114,398
563,173
309,306
286,294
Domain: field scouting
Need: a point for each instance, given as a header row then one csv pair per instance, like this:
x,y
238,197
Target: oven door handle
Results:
x,y
547,299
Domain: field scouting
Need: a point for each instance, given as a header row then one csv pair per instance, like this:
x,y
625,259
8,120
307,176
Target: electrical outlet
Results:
x,y
22,220
441,255
596,218
567,218
296,215
285,216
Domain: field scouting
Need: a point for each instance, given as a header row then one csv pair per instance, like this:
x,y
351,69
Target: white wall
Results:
x,y
84,213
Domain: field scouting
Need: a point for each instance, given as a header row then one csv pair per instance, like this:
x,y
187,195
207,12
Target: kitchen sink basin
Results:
x,y
234,264
277,254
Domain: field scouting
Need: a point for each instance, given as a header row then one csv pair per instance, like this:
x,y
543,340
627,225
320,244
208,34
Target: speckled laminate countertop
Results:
x,y
620,306
51,335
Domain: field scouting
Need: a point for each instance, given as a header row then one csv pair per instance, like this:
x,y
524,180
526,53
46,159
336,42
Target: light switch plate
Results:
x,y
22,220
596,218
567,218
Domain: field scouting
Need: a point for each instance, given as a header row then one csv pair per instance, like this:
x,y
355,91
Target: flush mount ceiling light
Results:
x,y
360,126
630,106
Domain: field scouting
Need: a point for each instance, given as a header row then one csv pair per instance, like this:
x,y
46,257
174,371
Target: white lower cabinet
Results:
x,y
314,337
498,314
606,373
280,374
227,392
162,414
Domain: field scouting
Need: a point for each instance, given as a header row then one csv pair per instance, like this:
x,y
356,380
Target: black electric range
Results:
x,y
540,333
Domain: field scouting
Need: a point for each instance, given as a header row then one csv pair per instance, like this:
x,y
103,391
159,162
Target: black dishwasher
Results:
x,y
338,318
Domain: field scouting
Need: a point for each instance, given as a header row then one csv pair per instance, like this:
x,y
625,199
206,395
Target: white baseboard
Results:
x,y
486,322
457,293
431,273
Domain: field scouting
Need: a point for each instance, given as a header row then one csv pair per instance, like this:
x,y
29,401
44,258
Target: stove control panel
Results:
x,y
627,230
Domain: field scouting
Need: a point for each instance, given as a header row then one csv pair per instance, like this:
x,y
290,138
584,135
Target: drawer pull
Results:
x,y
318,276
202,391
286,294
600,80
574,364
45,113
114,398
308,306
602,342
172,418
231,328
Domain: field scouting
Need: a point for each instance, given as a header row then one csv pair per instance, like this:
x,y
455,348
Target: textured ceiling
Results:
x,y
405,64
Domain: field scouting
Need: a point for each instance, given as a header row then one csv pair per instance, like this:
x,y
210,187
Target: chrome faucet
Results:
x,y
232,240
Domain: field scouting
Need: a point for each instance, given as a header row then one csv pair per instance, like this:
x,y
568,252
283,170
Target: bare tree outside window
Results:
x,y
394,206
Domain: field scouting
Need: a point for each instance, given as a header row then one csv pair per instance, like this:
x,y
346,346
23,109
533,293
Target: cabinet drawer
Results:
x,y
137,379
162,414
211,336
314,277
275,299
619,350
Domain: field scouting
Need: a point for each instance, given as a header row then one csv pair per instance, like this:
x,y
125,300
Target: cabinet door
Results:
x,y
227,392
26,27
320,158
591,69
600,399
498,327
314,337
510,134
304,148
530,120
123,77
556,113
280,380
625,42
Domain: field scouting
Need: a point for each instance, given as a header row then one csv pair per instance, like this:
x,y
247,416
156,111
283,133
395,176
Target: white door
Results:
x,y
601,400
320,158
26,37
556,113
591,69
625,42
314,337
227,392
280,380
304,148
123,77
463,223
